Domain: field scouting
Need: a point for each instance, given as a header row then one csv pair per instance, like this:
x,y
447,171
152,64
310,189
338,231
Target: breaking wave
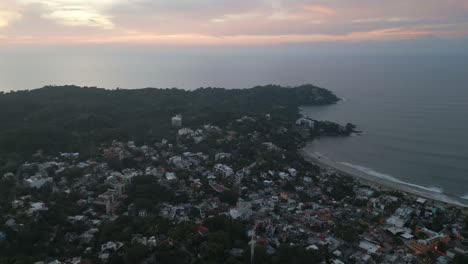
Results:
x,y
387,177
465,197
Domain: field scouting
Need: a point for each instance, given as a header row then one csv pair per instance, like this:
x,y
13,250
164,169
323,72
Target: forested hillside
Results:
x,y
71,118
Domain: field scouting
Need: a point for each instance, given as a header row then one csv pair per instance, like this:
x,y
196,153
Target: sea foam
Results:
x,y
387,177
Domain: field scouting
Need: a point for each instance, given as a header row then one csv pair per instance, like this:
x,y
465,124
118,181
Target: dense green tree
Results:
x,y
63,118
460,259
298,255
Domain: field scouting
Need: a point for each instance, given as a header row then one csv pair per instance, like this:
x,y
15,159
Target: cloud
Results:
x,y
147,38
76,12
235,17
230,22
6,17
325,10
384,19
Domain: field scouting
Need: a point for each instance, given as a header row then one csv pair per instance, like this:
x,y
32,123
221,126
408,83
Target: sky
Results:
x,y
244,23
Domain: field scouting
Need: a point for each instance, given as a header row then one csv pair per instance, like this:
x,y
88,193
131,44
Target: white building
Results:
x,y
37,182
36,207
371,248
240,213
177,121
307,122
224,170
292,172
171,176
184,131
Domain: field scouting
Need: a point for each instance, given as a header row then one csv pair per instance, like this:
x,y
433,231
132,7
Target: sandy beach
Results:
x,y
380,183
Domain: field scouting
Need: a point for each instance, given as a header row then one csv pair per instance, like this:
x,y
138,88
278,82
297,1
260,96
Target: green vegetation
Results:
x,y
63,119
146,193
349,231
327,128
442,247
421,235
460,259
70,118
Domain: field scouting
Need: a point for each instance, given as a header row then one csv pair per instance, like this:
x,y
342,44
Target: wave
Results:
x,y
320,155
464,197
387,177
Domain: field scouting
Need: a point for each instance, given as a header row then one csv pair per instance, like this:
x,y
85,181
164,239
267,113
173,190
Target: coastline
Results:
x,y
379,183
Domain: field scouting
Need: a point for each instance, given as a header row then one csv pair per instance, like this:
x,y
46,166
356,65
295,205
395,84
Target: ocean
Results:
x,y
413,109
414,114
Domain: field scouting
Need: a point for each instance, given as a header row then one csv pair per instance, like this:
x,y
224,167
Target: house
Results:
x,y
106,201
292,172
37,207
422,246
202,230
171,176
179,162
185,132
222,169
17,204
240,213
111,247
70,155
142,213
118,184
37,181
218,188
77,218
421,201
370,247
177,121
307,122
401,216
271,147
283,175
222,156
307,180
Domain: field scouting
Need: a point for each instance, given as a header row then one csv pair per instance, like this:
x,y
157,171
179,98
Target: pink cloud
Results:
x,y
379,35
320,9
228,22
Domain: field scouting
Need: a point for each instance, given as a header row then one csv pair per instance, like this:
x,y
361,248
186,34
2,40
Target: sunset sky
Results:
x,y
229,22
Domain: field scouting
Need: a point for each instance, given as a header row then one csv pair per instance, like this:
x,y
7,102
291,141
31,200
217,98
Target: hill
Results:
x,y
72,118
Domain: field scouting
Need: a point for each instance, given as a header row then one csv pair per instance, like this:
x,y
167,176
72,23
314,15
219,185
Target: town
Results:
x,y
237,194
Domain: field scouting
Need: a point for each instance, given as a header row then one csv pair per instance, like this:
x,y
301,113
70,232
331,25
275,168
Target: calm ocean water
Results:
x,y
414,113
413,109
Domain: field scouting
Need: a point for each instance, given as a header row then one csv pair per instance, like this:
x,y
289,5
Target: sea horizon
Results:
x,y
410,133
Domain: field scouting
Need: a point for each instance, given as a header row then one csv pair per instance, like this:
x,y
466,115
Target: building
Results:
x,y
106,201
422,246
170,176
370,247
222,156
307,122
37,207
177,121
37,181
222,169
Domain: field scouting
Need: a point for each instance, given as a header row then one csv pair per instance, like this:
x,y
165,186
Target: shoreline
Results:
x,y
380,183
